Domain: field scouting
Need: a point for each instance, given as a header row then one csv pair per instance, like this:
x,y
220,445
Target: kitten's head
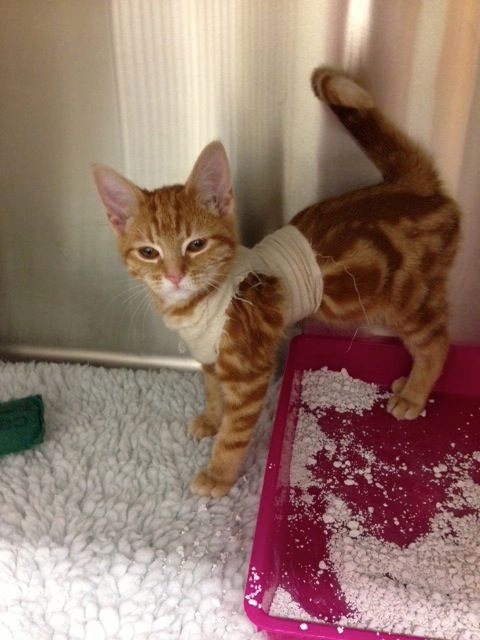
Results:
x,y
180,240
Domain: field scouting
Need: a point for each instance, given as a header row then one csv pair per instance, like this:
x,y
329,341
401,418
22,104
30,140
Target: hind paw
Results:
x,y
399,384
403,408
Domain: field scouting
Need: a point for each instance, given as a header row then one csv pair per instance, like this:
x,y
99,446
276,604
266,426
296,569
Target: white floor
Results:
x,y
99,535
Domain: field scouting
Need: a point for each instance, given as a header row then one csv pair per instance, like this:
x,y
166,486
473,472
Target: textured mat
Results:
x,y
99,535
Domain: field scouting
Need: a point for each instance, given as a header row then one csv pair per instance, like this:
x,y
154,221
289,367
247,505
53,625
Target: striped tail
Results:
x,y
398,158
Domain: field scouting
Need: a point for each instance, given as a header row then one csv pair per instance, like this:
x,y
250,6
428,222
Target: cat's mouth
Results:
x,y
172,294
178,294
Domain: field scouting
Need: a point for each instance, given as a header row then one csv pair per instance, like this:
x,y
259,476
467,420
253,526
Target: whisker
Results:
x,y
132,328
354,284
354,336
131,297
131,292
239,298
146,307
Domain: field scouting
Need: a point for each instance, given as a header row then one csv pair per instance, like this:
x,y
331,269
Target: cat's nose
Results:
x,y
176,278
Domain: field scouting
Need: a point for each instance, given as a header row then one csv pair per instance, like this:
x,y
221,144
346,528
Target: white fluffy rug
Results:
x,y
99,535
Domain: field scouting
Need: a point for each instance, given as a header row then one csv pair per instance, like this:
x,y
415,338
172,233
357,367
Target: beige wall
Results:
x,y
59,112
144,84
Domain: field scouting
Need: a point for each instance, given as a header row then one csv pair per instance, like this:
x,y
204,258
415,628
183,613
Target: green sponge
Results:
x,y
21,424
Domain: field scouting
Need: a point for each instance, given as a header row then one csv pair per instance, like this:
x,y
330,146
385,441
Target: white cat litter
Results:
x,y
431,587
100,537
284,606
322,388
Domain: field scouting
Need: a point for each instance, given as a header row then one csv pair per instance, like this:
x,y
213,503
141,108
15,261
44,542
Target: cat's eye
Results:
x,y
148,253
196,245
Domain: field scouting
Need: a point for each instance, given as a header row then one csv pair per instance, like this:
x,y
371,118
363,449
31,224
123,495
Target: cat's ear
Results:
x,y
211,181
120,197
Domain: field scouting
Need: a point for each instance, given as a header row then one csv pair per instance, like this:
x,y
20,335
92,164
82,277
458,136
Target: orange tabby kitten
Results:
x,y
383,252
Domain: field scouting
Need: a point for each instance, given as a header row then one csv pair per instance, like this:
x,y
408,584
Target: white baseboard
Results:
x,y
98,358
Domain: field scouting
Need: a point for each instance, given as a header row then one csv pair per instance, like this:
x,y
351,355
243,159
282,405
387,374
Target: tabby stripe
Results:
x,y
155,222
407,290
189,306
351,307
383,243
244,426
238,416
433,335
273,320
236,372
419,331
362,281
249,397
242,404
231,375
235,444
340,313
232,363
224,239
178,218
422,330
242,407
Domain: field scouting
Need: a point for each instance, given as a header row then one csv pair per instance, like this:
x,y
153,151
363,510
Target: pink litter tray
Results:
x,y
291,541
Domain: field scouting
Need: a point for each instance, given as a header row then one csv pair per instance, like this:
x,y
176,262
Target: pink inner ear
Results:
x,y
119,196
211,179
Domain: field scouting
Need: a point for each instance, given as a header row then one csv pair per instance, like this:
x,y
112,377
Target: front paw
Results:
x,y
205,484
201,427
